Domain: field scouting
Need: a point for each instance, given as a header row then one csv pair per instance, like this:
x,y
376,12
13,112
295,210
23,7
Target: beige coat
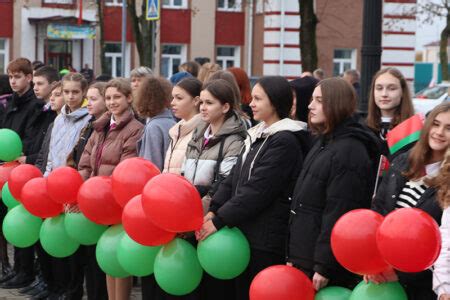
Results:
x,y
180,135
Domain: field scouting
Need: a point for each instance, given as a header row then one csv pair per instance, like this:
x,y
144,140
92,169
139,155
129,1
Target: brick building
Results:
x,y
261,36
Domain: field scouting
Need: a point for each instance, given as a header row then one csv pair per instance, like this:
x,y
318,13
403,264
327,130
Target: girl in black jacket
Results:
x,y
338,176
407,185
255,197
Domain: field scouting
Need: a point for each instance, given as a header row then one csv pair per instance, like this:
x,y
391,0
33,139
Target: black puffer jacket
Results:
x,y
385,200
41,159
255,197
338,176
19,112
36,130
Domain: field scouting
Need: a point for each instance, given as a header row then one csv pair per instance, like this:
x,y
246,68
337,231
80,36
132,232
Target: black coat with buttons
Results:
x,y
338,176
385,201
255,197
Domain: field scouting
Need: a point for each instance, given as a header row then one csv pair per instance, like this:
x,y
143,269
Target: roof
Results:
x,y
58,19
436,43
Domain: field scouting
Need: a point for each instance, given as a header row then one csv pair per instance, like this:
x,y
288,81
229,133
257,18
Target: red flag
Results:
x,y
80,15
404,133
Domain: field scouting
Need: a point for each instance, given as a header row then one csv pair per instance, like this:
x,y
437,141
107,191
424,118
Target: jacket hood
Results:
x,y
165,114
232,125
183,128
75,115
261,130
352,127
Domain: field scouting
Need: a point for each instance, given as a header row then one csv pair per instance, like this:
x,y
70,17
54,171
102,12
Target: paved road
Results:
x,y
14,294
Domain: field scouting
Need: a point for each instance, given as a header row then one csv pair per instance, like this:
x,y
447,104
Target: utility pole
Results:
x,y
124,36
371,48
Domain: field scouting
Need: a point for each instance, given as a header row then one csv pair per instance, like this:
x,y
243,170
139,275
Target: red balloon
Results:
x,y
130,177
36,200
19,176
409,239
281,282
63,184
353,241
172,203
5,170
96,201
140,228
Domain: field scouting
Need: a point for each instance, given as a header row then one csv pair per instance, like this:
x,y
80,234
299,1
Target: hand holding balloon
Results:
x,y
388,275
207,229
319,281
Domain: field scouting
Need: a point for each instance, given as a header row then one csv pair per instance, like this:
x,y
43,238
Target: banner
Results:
x,y
153,10
60,31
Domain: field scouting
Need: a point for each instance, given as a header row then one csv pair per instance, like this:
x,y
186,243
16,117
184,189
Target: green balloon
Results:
x,y
136,259
333,293
224,254
83,230
10,145
20,227
54,238
382,291
106,252
7,198
177,270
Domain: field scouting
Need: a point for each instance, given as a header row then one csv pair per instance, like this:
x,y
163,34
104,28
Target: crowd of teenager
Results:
x,y
282,162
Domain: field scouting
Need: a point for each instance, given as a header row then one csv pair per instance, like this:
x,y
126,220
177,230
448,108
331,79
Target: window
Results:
x,y
344,59
172,57
175,3
69,2
113,53
113,2
229,5
228,57
4,55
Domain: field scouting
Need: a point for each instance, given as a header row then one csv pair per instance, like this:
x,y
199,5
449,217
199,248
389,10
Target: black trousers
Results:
x,y
44,261
24,260
95,277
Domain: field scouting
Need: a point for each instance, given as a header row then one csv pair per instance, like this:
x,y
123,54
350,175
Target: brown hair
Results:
x,y
153,96
442,182
121,84
338,102
77,77
221,74
244,84
100,86
421,153
206,70
222,91
191,67
402,112
55,85
20,64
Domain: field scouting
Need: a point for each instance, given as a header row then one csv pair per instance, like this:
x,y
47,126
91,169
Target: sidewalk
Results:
x,y
14,294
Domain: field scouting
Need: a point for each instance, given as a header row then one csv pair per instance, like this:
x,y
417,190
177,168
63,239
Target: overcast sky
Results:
x,y
427,33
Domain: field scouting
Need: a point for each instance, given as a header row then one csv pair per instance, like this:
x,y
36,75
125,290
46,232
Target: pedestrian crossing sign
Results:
x,y
153,10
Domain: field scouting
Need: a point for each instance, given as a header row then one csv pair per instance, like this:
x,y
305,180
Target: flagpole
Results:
x,y
378,176
124,36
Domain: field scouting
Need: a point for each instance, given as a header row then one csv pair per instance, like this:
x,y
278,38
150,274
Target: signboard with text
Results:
x,y
61,31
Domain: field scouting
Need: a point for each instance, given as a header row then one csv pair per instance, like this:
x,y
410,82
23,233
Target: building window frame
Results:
x,y
172,58
222,60
226,5
344,63
171,4
5,52
115,56
113,2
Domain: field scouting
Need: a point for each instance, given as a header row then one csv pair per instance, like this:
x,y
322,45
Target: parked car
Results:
x,y
425,100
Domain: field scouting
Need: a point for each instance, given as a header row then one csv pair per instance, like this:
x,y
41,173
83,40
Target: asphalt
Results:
x,y
15,295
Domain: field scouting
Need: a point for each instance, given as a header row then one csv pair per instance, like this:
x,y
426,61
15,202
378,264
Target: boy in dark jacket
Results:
x,y
19,111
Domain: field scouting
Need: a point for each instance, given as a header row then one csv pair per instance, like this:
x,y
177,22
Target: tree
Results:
x,y
308,45
142,32
100,12
427,11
